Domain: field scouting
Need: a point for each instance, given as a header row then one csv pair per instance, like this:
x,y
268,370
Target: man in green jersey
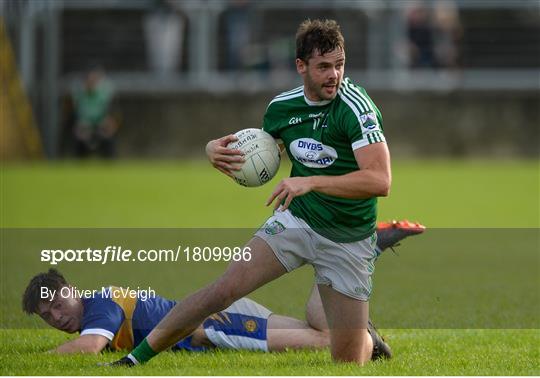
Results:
x,y
325,212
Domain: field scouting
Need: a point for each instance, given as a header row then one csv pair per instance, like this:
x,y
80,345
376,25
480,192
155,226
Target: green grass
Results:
x,y
457,301
433,352
191,194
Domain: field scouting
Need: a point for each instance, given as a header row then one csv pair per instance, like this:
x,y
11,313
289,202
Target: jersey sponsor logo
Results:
x,y
312,153
295,120
368,120
310,144
250,325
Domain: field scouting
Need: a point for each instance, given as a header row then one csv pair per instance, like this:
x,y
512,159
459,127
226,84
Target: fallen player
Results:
x,y
119,322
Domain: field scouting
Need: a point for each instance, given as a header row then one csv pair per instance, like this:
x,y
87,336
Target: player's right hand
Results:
x,y
222,158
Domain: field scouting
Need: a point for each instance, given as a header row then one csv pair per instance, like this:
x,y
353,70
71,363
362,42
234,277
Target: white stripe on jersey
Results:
x,y
358,98
353,104
357,102
293,95
98,331
291,91
356,93
362,103
367,140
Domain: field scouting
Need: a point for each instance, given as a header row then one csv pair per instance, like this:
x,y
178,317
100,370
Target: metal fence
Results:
x,y
172,46
217,45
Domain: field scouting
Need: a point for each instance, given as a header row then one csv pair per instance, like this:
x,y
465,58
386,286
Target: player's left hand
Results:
x,y
289,188
123,362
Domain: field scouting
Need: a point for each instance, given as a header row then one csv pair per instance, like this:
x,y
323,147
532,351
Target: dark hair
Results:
x,y
323,36
52,280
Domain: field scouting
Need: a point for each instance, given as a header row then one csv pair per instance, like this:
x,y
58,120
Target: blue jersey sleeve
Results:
x,y
101,316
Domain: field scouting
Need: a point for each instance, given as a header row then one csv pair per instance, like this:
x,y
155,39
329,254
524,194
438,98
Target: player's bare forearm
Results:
x,y
372,180
355,185
84,344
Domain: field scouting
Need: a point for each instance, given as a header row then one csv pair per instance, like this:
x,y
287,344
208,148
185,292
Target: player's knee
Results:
x,y
348,352
347,355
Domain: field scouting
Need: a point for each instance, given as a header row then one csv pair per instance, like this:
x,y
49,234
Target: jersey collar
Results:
x,y
316,103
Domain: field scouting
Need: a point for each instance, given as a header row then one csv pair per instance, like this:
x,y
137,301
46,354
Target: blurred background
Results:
x,y
158,78
106,106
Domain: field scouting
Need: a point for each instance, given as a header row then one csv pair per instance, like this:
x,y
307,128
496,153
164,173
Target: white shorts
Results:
x,y
346,267
243,325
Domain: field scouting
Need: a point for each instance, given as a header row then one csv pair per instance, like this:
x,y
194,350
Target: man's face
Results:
x,y
92,80
322,74
62,313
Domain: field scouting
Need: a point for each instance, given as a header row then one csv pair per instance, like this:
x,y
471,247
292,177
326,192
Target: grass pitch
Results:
x,y
442,302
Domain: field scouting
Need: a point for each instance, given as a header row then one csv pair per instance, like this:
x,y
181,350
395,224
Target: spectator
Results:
x,y
164,33
95,128
420,36
237,37
448,33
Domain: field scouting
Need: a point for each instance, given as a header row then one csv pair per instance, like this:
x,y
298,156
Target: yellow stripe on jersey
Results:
x,y
221,317
124,337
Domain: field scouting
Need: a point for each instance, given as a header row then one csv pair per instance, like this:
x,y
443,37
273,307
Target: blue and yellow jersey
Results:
x,y
125,321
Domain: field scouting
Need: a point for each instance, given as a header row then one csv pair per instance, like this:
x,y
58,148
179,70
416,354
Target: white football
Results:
x,y
261,154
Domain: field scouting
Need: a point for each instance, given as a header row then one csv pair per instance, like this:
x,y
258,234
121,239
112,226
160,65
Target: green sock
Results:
x,y
143,352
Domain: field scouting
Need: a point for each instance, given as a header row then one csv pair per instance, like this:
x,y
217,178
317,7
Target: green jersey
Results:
x,y
92,106
320,139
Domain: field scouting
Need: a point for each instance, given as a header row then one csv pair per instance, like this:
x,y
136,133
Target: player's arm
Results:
x,y
223,158
373,179
83,344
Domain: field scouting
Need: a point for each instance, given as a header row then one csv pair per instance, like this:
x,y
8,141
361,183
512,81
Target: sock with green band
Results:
x,y
143,352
